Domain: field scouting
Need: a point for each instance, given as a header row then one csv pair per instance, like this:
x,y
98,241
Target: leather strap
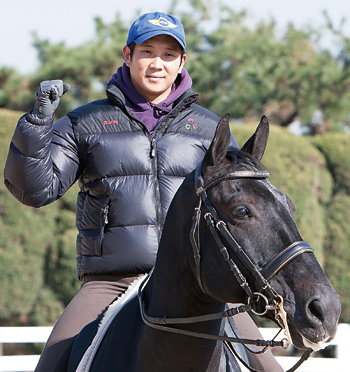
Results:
x,y
283,258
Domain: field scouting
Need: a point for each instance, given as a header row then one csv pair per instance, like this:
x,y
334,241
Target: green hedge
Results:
x,y
335,148
337,252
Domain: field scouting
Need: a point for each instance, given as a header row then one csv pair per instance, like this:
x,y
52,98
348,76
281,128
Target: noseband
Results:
x,y
260,295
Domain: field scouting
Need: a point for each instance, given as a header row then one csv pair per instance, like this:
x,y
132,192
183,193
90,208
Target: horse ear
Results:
x,y
256,144
220,143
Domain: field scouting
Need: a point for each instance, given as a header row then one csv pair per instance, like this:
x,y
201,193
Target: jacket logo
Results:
x,y
190,124
109,122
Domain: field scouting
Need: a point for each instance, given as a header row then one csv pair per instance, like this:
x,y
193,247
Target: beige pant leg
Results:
x,y
87,304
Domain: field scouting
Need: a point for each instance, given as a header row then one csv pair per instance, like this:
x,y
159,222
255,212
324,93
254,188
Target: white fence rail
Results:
x,y
27,363
10,335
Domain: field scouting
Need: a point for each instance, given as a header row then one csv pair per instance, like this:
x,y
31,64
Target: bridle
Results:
x,y
261,298
222,235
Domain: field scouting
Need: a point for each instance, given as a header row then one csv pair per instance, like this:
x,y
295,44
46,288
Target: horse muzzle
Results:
x,y
316,326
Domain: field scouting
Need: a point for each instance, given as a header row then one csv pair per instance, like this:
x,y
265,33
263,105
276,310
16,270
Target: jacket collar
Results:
x,y
117,98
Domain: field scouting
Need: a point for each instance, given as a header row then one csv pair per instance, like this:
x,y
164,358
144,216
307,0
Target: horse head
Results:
x,y
252,229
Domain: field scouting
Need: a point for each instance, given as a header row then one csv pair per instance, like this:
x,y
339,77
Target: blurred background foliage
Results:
x,y
237,68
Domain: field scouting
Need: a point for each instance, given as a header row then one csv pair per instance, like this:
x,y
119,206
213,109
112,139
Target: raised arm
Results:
x,y
43,160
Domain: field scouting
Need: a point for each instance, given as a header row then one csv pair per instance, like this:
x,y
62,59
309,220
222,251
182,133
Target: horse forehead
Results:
x,y
277,193
266,187
233,186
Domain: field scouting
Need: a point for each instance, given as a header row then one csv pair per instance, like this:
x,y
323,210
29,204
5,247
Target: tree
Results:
x,y
255,71
15,93
237,68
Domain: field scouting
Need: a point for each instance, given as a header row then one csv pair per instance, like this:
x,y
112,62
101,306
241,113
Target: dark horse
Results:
x,y
229,237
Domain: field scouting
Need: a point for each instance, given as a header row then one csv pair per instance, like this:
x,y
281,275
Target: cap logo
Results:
x,y
163,22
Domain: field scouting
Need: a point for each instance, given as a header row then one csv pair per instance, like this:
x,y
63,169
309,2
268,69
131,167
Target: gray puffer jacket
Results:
x,y
127,175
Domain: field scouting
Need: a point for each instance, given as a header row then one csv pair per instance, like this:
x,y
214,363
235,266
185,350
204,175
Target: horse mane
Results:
x,y
244,161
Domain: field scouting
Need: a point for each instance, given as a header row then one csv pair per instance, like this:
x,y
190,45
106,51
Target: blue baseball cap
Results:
x,y
153,24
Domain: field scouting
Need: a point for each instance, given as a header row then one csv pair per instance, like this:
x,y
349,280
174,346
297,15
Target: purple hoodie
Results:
x,y
150,114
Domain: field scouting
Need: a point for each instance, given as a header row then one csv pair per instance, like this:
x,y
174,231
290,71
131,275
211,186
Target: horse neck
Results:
x,y
176,294
172,295
174,274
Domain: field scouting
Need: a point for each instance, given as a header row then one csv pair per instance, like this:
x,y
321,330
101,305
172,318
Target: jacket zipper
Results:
x,y
103,223
105,214
153,148
153,156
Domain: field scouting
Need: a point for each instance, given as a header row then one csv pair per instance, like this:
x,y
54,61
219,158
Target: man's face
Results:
x,y
154,66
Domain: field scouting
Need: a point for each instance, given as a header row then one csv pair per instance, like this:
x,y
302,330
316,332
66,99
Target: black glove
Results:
x,y
48,97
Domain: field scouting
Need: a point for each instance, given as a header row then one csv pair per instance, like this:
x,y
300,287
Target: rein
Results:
x,y
266,294
163,324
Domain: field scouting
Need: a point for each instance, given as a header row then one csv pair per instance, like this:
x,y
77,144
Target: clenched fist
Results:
x,y
48,97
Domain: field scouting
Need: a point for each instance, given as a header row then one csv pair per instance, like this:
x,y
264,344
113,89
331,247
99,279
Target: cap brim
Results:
x,y
149,35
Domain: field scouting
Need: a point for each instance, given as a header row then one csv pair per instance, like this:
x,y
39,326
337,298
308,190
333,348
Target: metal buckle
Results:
x,y
281,317
267,306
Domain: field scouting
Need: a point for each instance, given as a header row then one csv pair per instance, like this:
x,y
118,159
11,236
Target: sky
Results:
x,y
72,21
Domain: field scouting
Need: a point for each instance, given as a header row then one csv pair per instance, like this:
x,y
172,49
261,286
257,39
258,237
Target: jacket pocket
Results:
x,y
92,218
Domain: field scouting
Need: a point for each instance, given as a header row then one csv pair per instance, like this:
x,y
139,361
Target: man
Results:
x,y
130,152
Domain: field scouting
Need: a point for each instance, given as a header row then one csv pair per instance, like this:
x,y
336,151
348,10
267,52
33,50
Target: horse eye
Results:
x,y
240,212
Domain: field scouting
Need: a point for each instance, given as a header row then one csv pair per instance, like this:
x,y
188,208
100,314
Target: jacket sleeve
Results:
x,y
43,160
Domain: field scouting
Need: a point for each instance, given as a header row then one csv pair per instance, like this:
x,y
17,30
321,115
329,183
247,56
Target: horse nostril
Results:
x,y
316,310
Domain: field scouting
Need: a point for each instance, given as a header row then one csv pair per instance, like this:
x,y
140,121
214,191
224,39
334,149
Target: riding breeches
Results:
x,y
93,297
